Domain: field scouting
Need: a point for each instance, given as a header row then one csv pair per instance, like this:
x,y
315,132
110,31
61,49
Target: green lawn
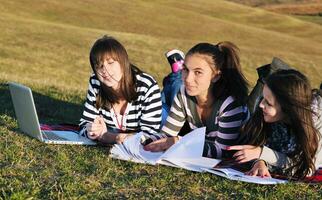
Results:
x,y
33,169
45,43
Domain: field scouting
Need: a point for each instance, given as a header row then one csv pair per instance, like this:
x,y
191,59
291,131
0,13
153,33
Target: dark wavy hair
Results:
x,y
109,47
293,92
225,58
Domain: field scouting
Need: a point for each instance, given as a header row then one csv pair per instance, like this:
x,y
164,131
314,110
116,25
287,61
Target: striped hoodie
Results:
x,y
222,127
143,114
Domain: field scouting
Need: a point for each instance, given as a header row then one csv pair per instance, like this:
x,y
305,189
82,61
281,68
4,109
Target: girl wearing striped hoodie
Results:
x,y
213,94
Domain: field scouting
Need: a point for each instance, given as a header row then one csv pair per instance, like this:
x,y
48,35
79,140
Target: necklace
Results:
x,y
120,125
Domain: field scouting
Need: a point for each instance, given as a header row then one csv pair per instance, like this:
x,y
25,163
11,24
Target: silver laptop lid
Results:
x,y
25,110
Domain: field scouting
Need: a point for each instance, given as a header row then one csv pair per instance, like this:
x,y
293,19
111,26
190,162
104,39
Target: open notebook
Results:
x,y
185,154
233,174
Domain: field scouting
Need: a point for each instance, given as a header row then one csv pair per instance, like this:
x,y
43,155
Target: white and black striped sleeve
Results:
x,y
150,120
90,112
176,117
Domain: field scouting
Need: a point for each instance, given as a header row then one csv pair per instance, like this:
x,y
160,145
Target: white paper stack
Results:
x,y
185,154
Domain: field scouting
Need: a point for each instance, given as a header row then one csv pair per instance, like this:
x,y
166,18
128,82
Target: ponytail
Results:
x,y
232,78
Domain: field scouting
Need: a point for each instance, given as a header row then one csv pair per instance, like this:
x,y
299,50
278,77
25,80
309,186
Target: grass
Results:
x,y
315,19
30,169
306,10
44,44
260,3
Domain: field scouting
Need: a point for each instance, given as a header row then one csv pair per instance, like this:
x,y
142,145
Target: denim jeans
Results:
x,y
171,86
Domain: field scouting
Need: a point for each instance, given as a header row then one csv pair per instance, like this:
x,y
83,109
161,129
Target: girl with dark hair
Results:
x,y
213,95
121,99
282,137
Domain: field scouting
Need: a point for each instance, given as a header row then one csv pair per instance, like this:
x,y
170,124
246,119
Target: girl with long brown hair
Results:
x,y
282,137
213,95
121,99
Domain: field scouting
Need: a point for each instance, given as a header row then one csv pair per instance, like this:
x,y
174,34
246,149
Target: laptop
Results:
x,y
28,123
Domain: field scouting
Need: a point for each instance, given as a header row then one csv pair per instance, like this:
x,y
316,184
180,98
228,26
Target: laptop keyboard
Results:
x,y
52,136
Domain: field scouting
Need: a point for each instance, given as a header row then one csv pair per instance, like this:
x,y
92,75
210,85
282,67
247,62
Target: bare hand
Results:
x,y
96,129
245,153
259,169
161,145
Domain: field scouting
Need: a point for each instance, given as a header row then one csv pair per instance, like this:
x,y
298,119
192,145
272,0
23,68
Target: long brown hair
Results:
x,y
109,47
293,92
225,58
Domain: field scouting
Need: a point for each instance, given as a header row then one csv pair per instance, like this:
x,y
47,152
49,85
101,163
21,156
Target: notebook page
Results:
x,y
189,146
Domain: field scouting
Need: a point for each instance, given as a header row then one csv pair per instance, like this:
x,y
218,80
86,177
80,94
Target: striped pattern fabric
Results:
x,y
222,127
143,114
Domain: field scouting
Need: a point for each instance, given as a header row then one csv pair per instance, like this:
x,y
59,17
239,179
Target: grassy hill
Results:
x,y
60,34
260,3
308,10
45,43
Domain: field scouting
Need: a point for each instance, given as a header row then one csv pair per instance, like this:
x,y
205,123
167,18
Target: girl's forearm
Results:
x,y
112,138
